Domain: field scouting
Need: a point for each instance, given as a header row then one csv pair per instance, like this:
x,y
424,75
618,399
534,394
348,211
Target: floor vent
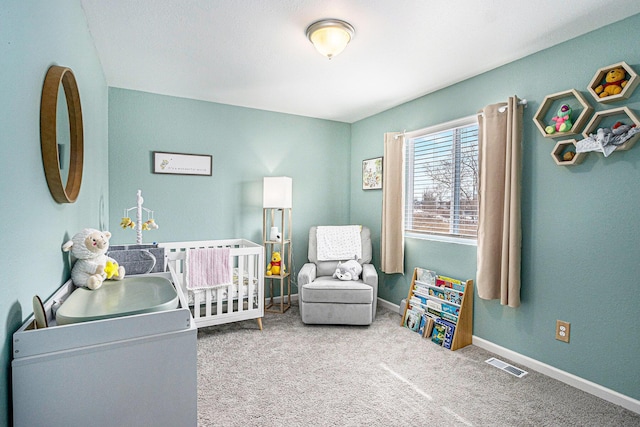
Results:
x,y
506,367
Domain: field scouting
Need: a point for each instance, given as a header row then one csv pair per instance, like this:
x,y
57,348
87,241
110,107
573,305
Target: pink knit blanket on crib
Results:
x,y
208,268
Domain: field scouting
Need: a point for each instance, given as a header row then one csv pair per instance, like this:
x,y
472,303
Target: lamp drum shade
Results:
x,y
277,192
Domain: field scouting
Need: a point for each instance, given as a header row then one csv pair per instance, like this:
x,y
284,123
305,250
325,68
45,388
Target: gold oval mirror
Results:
x,y
62,151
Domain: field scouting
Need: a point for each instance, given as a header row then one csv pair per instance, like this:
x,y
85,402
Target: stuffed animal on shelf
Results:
x,y
89,248
614,81
348,270
562,120
276,267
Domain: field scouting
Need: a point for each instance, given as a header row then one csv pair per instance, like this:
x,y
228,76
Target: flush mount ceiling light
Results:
x,y
330,36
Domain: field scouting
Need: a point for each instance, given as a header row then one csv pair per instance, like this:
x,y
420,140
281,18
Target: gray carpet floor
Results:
x,y
291,374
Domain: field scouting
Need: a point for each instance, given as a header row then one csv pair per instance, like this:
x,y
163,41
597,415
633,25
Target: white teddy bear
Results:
x,y
349,270
92,265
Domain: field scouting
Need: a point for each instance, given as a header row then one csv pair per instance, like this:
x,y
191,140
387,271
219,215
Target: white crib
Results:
x,y
241,300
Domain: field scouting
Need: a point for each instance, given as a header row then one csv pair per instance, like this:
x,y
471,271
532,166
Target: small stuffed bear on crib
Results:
x,y
348,270
92,265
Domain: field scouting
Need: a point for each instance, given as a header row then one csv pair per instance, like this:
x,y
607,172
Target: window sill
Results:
x,y
445,239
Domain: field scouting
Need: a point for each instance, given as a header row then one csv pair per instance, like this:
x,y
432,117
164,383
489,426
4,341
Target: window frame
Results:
x,y
441,127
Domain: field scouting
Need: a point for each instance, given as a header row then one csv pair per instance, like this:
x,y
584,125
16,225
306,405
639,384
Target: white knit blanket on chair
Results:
x,y
339,243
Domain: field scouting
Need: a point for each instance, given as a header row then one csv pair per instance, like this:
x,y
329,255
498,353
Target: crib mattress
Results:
x,y
129,296
225,290
224,296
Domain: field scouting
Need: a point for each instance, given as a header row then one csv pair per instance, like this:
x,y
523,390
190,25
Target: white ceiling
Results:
x,y
254,53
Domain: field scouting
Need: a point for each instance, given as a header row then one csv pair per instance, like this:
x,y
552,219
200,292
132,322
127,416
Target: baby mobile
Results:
x,y
149,224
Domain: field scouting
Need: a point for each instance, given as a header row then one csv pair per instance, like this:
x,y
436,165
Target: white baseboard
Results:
x,y
276,299
560,375
388,305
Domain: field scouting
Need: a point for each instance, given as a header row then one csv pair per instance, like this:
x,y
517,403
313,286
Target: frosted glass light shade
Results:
x,y
330,36
277,192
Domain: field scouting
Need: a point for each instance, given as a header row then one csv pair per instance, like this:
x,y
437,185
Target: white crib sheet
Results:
x,y
225,289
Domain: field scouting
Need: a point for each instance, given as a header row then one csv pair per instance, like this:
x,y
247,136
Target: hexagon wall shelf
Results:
x,y
542,118
627,90
563,147
598,117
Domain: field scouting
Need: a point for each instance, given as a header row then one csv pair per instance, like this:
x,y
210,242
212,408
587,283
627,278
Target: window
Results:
x,y
442,182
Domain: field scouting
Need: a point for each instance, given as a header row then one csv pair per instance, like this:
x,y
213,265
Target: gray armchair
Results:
x,y
325,300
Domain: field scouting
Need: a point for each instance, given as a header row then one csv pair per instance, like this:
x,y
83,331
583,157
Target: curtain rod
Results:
x,y
521,102
501,110
404,132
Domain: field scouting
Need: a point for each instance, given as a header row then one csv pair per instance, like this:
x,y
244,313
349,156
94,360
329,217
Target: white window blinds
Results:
x,y
442,181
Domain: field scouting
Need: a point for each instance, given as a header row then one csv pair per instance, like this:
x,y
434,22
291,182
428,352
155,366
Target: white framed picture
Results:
x,y
182,164
372,174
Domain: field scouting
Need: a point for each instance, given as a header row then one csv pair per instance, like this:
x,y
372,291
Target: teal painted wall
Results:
x,y
246,145
580,228
580,224
33,36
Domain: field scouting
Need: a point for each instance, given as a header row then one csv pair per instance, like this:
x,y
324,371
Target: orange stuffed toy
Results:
x,y
276,266
614,82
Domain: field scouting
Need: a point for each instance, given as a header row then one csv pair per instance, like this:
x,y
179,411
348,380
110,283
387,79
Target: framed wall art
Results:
x,y
182,164
372,174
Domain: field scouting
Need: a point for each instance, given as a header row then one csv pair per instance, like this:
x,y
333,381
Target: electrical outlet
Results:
x,y
562,330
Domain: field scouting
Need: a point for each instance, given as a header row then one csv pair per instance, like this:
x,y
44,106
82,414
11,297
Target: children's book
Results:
x,y
426,276
423,292
436,293
419,284
451,309
448,282
439,332
412,320
453,296
450,317
418,308
423,322
434,312
435,305
442,282
428,326
450,329
419,299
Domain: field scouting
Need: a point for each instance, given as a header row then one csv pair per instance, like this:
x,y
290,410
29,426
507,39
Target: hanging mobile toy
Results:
x,y
149,224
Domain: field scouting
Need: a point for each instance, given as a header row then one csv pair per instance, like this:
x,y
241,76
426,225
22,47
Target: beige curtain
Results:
x,y
499,232
392,236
